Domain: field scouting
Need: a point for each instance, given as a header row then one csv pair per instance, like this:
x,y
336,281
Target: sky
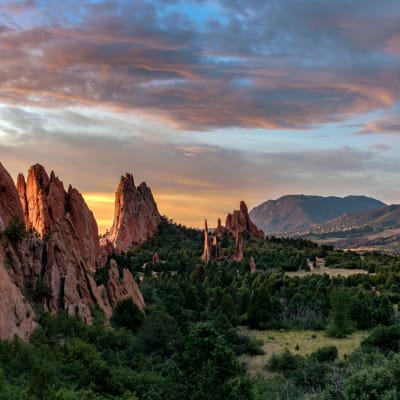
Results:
x,y
208,101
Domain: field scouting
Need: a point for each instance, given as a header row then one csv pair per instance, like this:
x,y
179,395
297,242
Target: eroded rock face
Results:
x,y
45,201
61,257
85,227
212,250
252,265
122,288
238,247
16,315
219,230
239,221
10,205
136,217
68,275
206,257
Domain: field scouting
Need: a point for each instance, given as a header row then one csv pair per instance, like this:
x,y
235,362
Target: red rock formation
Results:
x,y
136,217
238,247
252,265
239,221
85,227
42,198
155,258
119,289
212,247
67,274
206,257
45,202
21,188
216,251
16,315
10,205
64,262
219,230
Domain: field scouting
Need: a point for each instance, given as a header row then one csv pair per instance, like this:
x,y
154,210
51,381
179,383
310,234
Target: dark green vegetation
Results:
x,y
186,343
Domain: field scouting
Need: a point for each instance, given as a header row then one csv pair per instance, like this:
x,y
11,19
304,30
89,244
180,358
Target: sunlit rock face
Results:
x,y
136,216
60,255
45,202
239,221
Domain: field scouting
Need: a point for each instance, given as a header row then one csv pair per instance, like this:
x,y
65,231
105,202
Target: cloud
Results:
x,y
388,124
274,64
208,183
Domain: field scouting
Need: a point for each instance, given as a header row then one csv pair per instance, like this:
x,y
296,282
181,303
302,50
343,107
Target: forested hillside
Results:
x,y
185,345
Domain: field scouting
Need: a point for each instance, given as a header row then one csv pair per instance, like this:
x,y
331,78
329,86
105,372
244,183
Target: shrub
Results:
x,y
326,354
127,315
285,362
385,338
15,230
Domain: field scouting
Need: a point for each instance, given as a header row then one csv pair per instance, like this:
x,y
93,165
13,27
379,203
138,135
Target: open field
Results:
x,y
330,271
276,341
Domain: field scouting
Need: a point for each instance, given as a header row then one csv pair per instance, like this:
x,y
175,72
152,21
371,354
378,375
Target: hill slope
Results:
x,y
294,212
376,229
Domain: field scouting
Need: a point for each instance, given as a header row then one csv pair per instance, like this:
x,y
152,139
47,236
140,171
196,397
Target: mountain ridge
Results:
x,y
295,212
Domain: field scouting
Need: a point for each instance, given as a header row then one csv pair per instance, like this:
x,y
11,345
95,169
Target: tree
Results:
x,y
127,315
212,371
340,324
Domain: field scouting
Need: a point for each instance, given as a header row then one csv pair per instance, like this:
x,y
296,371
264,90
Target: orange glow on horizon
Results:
x,y
189,209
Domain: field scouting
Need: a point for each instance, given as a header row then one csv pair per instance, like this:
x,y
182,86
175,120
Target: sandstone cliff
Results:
x,y
10,205
136,217
57,260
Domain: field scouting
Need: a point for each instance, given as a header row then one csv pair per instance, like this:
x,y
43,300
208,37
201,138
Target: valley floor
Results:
x,y
301,342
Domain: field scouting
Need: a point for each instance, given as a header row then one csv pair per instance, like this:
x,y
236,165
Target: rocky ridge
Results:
x,y
55,262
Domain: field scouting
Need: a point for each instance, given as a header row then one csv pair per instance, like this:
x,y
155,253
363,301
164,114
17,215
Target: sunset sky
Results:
x,y
208,101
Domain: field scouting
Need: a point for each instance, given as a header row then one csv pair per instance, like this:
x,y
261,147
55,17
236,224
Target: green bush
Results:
x,y
15,230
325,354
127,315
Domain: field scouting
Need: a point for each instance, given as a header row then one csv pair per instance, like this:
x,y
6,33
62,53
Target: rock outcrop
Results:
x,y
238,247
212,247
206,257
219,230
252,265
10,205
122,288
239,221
45,202
16,315
57,260
155,258
136,217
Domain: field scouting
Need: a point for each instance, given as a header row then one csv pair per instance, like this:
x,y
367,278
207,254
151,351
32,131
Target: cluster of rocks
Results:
x,y
62,250
236,224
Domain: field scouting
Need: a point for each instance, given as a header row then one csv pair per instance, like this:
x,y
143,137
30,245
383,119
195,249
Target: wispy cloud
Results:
x,y
264,64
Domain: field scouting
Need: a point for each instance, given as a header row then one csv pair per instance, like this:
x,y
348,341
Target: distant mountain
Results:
x,y
377,229
298,212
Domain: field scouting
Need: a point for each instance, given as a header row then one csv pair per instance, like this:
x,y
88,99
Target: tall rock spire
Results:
x,y
136,216
207,250
238,246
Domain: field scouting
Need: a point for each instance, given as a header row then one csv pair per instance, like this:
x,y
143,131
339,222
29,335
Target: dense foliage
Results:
x,y
186,343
